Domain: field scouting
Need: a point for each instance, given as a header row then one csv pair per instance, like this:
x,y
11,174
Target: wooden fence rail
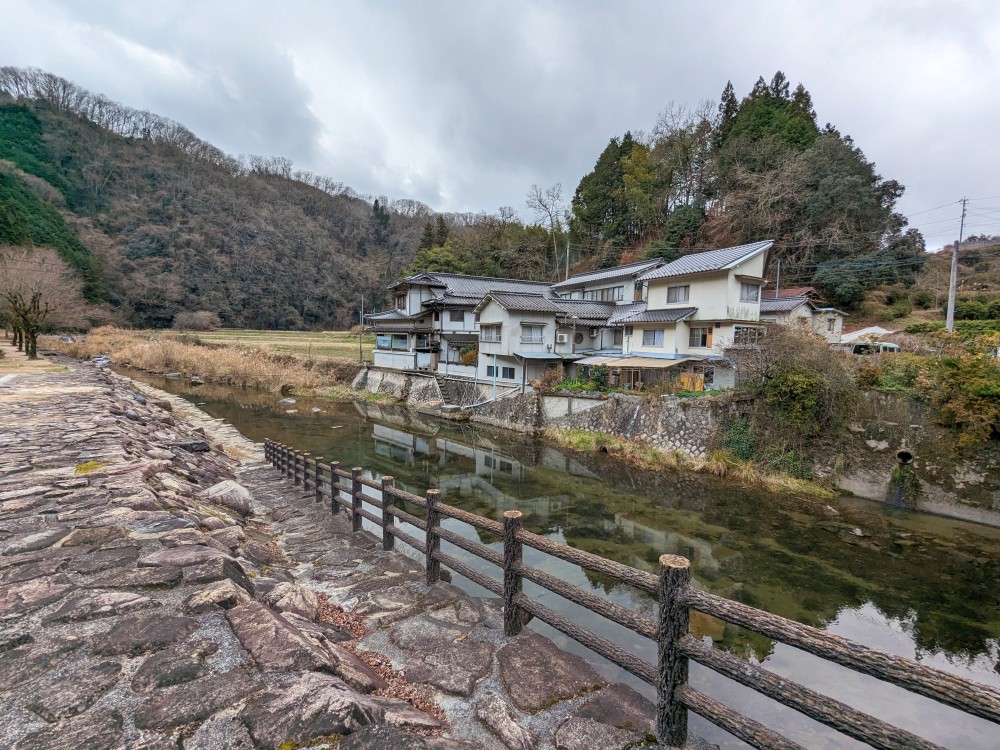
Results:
x,y
675,646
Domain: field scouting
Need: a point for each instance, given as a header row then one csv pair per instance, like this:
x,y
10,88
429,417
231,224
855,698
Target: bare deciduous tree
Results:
x,y
37,291
548,206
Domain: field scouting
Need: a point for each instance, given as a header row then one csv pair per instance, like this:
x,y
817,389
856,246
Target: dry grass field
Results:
x,y
322,364
339,345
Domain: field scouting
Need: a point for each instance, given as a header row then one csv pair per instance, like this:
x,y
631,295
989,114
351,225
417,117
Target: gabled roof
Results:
x,y
708,261
520,302
459,285
795,291
608,274
783,304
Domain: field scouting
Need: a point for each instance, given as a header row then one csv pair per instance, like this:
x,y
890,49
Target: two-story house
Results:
x,y
522,335
799,307
433,325
696,307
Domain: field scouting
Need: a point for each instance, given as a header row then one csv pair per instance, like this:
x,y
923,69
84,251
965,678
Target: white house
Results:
x,y
433,321
522,335
797,307
644,320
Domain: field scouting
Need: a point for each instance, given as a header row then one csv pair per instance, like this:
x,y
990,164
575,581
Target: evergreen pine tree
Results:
x,y
440,232
427,238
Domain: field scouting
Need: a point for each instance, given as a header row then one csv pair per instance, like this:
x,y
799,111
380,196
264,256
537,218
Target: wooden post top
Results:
x,y
673,561
512,514
387,478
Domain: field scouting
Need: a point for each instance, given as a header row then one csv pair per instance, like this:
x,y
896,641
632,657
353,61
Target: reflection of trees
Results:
x,y
776,552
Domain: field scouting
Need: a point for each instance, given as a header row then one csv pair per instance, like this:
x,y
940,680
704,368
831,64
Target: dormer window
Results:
x,y
749,292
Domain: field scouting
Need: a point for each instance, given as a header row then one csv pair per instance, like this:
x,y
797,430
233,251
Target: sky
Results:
x,y
465,105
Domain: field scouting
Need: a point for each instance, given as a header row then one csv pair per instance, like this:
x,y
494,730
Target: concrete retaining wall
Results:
x,y
409,388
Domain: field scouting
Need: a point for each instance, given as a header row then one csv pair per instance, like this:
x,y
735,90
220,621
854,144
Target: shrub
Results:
x,y
965,389
600,375
922,299
549,381
739,439
972,309
200,320
868,374
469,354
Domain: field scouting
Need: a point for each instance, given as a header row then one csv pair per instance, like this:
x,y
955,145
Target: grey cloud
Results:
x,y
465,105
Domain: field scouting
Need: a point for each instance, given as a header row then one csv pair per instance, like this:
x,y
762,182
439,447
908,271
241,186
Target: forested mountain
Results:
x,y
760,167
159,222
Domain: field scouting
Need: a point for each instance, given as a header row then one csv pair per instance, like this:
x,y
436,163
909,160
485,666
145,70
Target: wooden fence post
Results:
x,y
297,461
282,455
305,471
318,478
356,498
334,487
512,584
433,540
671,714
267,450
388,520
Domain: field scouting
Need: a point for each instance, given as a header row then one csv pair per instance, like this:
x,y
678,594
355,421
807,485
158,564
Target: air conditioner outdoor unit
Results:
x,y
562,338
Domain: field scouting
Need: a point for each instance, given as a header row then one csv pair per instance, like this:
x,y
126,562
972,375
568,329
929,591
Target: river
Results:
x,y
915,585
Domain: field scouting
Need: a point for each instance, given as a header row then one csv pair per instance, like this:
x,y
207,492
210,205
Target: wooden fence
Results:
x,y
676,647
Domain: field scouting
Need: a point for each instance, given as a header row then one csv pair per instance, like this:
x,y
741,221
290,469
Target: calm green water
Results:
x,y
915,585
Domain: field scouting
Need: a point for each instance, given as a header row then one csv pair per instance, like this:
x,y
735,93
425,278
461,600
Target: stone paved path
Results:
x,y
161,587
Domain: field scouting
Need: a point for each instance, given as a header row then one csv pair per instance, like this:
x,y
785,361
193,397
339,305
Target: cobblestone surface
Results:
x,y
161,587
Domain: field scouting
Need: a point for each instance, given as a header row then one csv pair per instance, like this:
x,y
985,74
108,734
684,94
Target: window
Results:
x,y
456,316
490,334
749,292
578,338
746,336
491,371
617,337
607,294
531,334
700,337
400,301
678,294
392,341
507,373
830,324
652,338
638,295
628,330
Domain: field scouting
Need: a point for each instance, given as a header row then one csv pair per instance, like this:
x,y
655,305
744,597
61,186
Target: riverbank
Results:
x,y
161,584
240,363
719,463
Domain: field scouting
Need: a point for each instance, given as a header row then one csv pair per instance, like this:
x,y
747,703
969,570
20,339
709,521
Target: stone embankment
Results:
x,y
161,587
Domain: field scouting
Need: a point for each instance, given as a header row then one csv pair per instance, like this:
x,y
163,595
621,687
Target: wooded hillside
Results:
x,y
158,222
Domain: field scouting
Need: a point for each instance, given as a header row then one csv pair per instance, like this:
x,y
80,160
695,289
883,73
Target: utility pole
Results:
x,y
953,282
361,331
567,259
777,284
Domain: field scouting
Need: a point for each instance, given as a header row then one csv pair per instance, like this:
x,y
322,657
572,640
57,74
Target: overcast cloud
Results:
x,y
464,105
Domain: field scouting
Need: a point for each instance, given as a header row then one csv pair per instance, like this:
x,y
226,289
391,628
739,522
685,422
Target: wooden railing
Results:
x,y
676,647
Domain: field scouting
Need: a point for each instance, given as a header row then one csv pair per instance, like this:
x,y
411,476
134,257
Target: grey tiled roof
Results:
x,y
782,304
479,286
660,316
586,308
622,312
388,315
607,274
710,260
525,302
